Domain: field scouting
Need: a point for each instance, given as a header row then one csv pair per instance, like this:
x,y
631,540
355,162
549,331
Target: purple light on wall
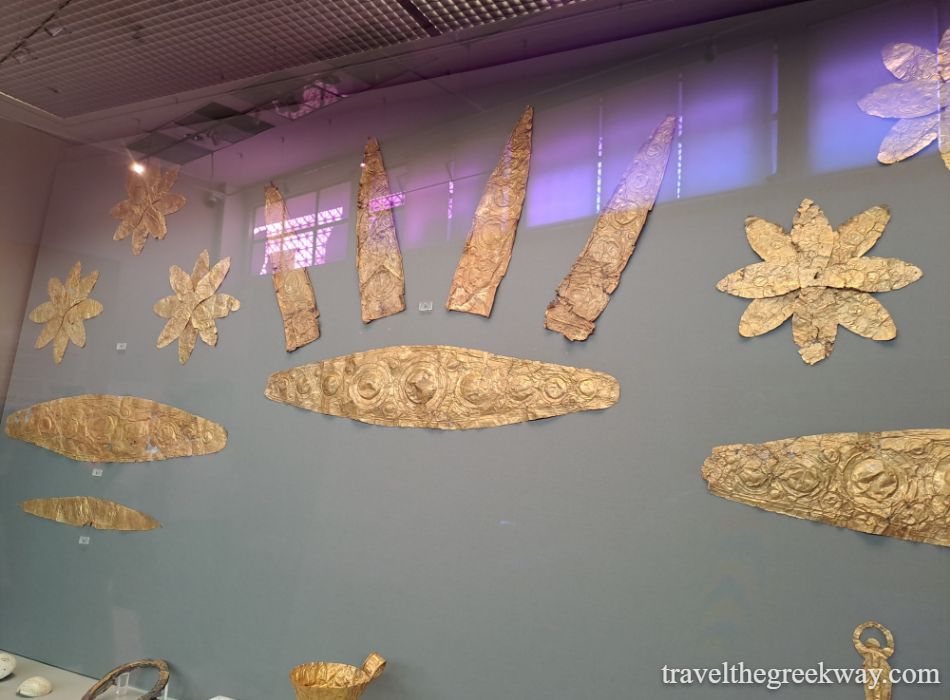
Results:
x,y
302,239
726,137
846,66
390,201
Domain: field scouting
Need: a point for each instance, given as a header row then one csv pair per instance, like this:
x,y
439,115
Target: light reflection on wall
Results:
x,y
727,116
846,65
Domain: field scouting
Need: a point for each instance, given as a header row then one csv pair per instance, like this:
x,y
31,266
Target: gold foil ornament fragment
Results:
x,y
295,297
918,101
63,315
820,278
584,293
195,306
488,248
104,428
892,483
877,671
439,386
85,511
150,201
324,680
378,258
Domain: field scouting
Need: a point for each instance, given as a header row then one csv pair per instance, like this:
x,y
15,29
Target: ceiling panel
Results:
x,y
118,52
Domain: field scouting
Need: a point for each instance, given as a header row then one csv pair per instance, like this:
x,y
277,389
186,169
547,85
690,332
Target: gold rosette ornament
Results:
x,y
150,201
68,306
820,278
918,101
195,306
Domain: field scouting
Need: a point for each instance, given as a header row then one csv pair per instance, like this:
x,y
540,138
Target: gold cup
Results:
x,y
323,680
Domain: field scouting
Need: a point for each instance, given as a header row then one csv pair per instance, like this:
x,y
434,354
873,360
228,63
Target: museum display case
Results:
x,y
517,500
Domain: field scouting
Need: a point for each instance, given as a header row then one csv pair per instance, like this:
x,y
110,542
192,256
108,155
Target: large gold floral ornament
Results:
x,y
68,306
150,201
918,101
819,277
193,308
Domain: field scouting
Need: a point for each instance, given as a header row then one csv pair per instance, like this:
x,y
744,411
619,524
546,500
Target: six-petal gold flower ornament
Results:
x,y
195,306
150,201
820,277
918,101
68,306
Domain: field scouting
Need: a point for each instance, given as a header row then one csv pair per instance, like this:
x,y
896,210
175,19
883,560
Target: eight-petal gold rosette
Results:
x,y
195,306
150,201
63,315
918,101
820,278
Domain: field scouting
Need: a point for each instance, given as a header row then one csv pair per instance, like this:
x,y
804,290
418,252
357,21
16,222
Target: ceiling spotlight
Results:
x,y
54,28
22,55
137,168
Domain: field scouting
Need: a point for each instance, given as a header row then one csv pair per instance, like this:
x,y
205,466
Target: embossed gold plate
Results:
x,y
439,386
378,258
85,511
104,428
295,297
583,294
893,483
487,250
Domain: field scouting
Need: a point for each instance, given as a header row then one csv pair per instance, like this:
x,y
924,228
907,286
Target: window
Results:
x,y
314,233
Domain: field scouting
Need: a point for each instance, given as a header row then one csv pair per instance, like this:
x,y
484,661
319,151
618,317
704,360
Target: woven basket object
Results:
x,y
323,680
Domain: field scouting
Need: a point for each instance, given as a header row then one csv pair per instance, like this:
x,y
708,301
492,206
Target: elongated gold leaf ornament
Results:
x,y
378,258
439,386
85,511
820,277
63,315
918,102
295,297
195,306
877,671
150,201
488,247
893,483
584,293
104,428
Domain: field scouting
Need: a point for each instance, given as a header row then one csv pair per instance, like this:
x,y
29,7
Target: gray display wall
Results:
x,y
564,558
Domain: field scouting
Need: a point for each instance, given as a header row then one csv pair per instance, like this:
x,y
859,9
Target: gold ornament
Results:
x,y
820,278
103,428
918,101
193,308
84,511
295,297
64,313
438,386
150,201
584,293
488,247
378,258
894,483
877,683
323,680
